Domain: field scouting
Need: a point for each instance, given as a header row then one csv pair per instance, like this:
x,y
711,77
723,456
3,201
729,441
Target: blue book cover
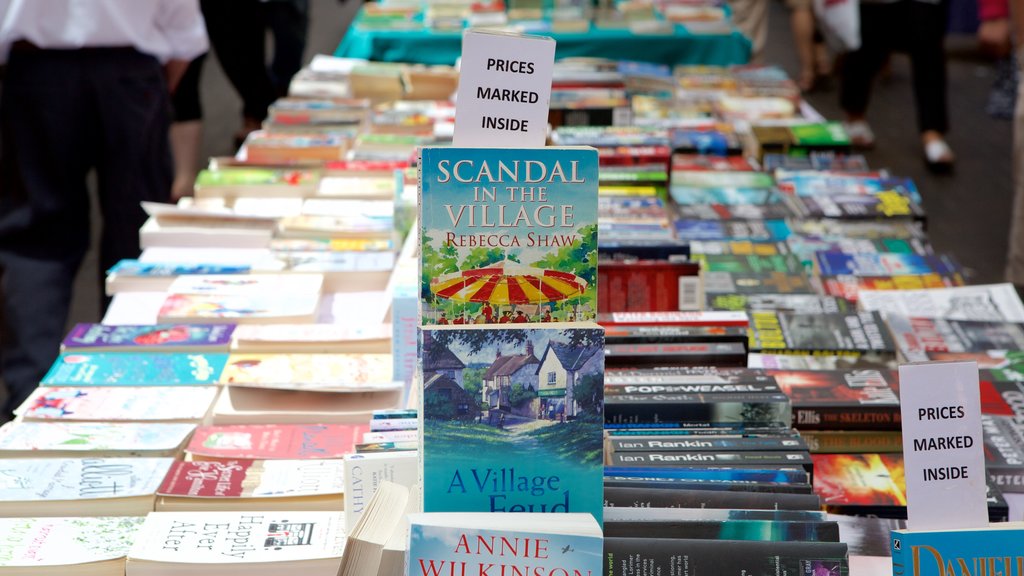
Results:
x,y
161,270
438,548
754,230
731,196
135,369
513,419
997,550
149,337
881,264
508,235
776,475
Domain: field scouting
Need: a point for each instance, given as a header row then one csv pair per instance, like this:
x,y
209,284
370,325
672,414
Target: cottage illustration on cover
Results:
x,y
513,419
508,235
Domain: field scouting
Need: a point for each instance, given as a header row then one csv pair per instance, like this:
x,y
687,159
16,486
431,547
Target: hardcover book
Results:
x,y
475,543
78,439
149,338
275,442
79,486
501,406
135,369
94,546
508,235
119,404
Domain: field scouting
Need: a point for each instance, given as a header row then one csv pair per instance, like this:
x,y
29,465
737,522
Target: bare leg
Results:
x,y
186,138
802,23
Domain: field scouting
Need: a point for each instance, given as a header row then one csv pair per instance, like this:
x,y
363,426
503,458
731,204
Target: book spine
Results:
x,y
868,442
699,444
688,411
626,556
631,389
662,498
847,418
743,530
899,563
741,459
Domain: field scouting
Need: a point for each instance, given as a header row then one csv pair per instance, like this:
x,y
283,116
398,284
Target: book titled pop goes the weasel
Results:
x,y
508,235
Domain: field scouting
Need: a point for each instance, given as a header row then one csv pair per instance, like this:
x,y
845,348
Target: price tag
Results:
x,y
504,90
942,446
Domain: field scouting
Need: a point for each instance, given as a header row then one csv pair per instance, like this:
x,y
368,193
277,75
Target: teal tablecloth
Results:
x,y
429,47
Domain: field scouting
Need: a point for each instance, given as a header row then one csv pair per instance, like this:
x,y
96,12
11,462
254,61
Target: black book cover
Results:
x,y
674,334
1004,452
667,498
718,485
676,354
705,444
620,387
646,556
697,410
842,399
716,459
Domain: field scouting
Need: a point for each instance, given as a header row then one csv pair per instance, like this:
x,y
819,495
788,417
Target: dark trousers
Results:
x,y
62,114
917,28
238,32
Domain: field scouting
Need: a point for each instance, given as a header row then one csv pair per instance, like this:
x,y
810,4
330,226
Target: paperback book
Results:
x,y
275,442
66,545
842,399
508,235
794,333
135,369
494,397
80,439
149,338
119,404
924,339
632,556
321,372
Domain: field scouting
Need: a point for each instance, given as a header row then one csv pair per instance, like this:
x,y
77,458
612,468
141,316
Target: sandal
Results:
x,y
861,136
938,156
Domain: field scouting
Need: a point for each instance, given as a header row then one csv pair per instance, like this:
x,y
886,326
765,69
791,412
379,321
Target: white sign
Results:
x,y
942,446
504,90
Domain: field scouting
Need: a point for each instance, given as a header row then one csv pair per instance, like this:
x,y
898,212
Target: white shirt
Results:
x,y
166,29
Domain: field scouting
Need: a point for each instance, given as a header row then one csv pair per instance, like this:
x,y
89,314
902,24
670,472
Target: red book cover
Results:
x,y
253,478
206,479
276,441
706,162
861,481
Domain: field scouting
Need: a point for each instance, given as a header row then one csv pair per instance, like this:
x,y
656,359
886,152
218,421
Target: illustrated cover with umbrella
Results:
x,y
508,236
513,418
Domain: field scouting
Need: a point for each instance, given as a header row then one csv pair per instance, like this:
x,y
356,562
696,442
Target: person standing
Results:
x,y
86,87
1015,254
917,27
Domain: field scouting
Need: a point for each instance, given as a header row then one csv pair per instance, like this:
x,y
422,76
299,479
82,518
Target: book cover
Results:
x,y
749,264
669,498
634,556
861,483
491,398
754,230
31,543
793,333
324,372
275,441
363,473
991,303
738,410
248,538
48,479
751,459
883,264
737,530
992,550
777,475
706,444
150,338
119,404
853,442
1004,452
85,437
253,479
674,334
676,354
652,515
449,550
508,235
842,399
167,270
849,286
731,284
253,307
135,369
923,339
800,303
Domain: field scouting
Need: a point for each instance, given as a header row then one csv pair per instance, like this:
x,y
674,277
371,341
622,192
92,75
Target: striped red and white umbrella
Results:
x,y
507,283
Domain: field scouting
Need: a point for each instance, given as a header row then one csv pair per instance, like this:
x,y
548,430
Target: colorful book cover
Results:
x,y
865,482
327,372
254,177
30,543
508,235
992,303
752,264
449,550
246,538
733,284
275,441
503,406
842,399
756,230
883,264
735,212
253,479
238,307
48,479
848,286
298,285
1004,452
148,337
718,180
165,270
88,437
113,404
135,369
993,550
802,303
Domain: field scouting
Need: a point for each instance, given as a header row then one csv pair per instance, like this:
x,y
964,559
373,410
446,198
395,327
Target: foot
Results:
x,y
860,133
938,155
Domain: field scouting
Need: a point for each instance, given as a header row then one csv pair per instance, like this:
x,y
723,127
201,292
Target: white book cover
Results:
x,y
365,472
293,285
989,302
33,542
258,258
309,333
119,403
128,308
48,479
254,479
88,436
239,537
